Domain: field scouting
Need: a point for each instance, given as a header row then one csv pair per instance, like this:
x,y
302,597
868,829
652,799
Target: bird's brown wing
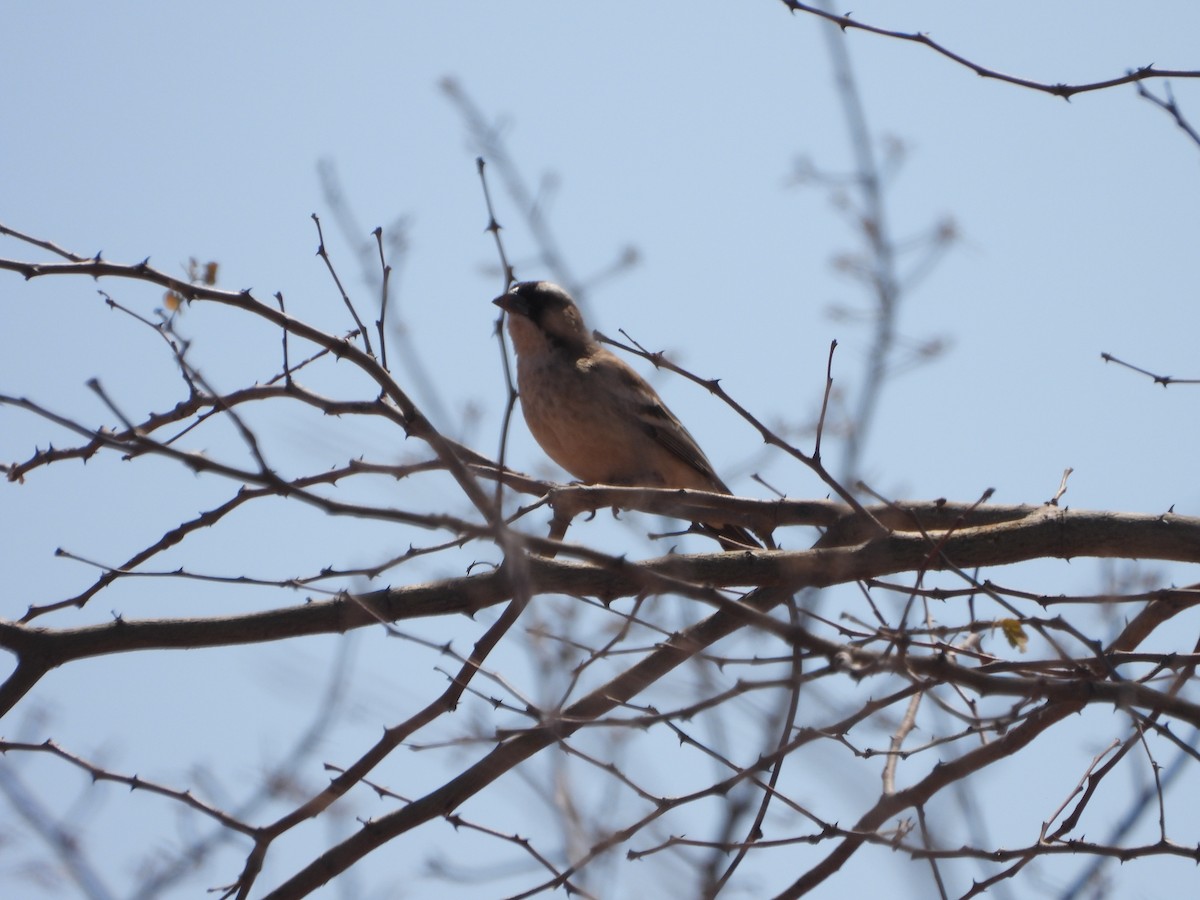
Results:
x,y
661,424
668,432
657,421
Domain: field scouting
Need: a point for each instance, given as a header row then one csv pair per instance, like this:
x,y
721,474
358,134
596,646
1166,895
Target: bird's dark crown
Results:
x,y
552,311
541,297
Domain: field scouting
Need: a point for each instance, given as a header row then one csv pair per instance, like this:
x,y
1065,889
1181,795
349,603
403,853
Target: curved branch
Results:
x,y
1066,91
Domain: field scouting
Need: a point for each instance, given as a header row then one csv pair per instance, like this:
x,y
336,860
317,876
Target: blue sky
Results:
x,y
172,132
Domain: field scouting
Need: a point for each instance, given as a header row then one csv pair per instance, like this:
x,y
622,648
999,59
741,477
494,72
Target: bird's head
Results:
x,y
541,310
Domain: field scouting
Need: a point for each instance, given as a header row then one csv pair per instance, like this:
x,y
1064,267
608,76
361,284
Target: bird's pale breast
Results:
x,y
589,426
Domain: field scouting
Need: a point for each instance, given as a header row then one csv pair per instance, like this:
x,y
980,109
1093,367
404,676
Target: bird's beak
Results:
x,y
513,303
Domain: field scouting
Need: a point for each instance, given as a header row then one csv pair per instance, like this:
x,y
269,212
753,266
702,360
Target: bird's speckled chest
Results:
x,y
573,414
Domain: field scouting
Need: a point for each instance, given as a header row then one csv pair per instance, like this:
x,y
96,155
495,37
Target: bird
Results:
x,y
593,414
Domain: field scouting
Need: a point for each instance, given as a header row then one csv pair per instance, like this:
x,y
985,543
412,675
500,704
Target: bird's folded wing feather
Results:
x,y
670,433
660,423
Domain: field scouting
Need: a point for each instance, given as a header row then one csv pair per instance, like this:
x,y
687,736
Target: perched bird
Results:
x,y
593,414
